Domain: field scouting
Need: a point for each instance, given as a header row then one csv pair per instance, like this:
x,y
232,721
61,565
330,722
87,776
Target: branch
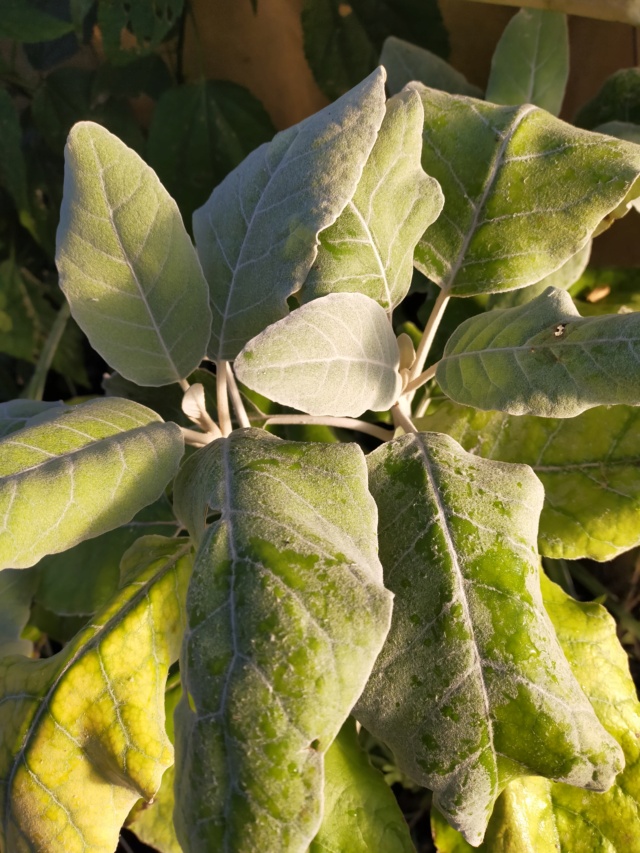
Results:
x,y
236,399
429,334
424,377
343,423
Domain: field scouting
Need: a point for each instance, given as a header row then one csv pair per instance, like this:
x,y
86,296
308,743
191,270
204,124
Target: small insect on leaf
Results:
x,y
559,330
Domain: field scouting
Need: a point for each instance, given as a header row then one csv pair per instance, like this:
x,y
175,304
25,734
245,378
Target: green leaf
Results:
x,y
531,61
518,187
17,588
257,235
563,278
361,814
13,173
342,40
589,466
199,133
334,356
23,21
369,248
87,471
153,823
287,614
148,22
471,689
62,99
66,588
126,263
406,62
617,100
621,130
16,414
543,358
148,75
535,814
98,707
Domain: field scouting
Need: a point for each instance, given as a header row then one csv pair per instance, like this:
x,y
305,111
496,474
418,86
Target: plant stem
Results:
x,y
184,385
236,399
224,416
400,419
343,423
421,411
429,333
35,388
195,438
420,380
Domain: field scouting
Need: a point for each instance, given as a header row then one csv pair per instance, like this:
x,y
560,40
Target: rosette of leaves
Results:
x,y
306,583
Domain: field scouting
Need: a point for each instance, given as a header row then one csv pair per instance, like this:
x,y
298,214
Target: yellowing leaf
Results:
x,y
471,689
539,816
83,734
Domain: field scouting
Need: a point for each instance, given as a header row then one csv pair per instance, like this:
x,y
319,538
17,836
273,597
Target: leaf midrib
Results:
x,y
492,175
444,526
141,294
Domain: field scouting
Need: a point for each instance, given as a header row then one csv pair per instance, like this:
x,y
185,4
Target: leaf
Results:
x,y
334,356
542,358
148,22
126,263
589,466
625,11
148,75
287,614
471,689
342,40
257,235
16,414
530,64
535,814
65,586
98,707
26,318
369,248
16,594
23,21
199,133
562,279
617,100
518,187
62,99
153,822
13,173
88,471
608,290
621,130
406,62
361,814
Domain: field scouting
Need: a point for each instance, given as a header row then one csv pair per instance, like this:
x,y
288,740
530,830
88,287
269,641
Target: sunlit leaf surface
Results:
x,y
287,614
90,469
471,689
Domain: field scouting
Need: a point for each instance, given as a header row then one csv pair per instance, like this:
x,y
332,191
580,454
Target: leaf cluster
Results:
x,y
226,614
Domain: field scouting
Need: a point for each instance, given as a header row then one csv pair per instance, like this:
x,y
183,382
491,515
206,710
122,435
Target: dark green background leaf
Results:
x,y
343,38
199,133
